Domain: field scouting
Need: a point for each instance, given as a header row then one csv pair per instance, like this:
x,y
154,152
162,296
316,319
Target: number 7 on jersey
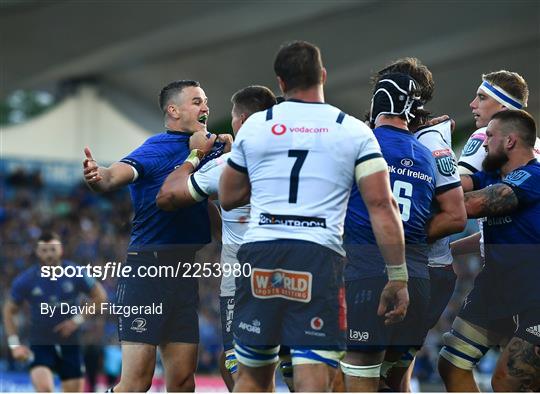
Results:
x,y
295,172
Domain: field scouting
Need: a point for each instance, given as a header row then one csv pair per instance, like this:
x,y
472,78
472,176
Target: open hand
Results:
x,y
21,353
396,296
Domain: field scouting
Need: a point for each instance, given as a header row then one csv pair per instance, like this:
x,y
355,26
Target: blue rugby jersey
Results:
x,y
412,179
153,228
31,287
512,243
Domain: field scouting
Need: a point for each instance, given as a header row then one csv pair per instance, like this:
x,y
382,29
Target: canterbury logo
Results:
x,y
535,330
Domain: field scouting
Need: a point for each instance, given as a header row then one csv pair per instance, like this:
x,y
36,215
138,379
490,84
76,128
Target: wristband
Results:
x,y
13,341
195,157
397,272
78,319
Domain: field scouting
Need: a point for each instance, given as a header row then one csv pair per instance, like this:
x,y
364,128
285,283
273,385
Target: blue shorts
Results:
x,y
442,281
65,360
179,297
294,296
226,308
475,308
367,331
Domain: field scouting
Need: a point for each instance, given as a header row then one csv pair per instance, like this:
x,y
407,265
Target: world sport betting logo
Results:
x,y
279,283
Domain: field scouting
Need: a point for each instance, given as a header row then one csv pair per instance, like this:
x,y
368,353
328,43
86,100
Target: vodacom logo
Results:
x,y
279,129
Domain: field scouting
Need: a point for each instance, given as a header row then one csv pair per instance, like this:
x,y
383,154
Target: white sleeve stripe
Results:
x,y
192,187
369,167
135,174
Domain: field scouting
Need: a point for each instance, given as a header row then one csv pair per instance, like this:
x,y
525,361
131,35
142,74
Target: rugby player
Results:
x,y
54,335
185,187
499,91
435,134
504,301
295,164
161,238
418,177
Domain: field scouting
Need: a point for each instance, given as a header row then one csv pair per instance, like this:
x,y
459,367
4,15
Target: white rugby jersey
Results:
x,y
473,153
438,139
205,182
301,159
472,156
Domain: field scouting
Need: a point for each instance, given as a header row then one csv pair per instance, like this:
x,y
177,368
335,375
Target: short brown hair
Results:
x,y
415,69
520,121
253,99
299,65
423,77
172,89
511,82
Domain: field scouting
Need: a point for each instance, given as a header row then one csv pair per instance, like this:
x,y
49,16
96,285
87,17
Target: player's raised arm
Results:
x,y
104,179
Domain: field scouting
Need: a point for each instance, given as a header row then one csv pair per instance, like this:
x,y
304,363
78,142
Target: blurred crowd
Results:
x,y
95,229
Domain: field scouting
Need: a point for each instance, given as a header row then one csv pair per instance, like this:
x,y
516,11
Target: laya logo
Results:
x,y
360,336
316,323
138,325
279,129
291,285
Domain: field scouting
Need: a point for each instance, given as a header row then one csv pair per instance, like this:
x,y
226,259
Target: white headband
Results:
x,y
500,95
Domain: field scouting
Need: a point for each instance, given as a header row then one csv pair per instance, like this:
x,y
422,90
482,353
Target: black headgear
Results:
x,y
395,94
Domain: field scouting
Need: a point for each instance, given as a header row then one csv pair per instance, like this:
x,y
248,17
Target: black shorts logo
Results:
x,y
138,325
291,220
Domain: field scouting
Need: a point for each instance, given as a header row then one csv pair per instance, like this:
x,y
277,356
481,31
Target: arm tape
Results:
x,y
369,167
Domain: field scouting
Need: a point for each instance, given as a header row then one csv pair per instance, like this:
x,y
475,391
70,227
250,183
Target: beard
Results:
x,y
494,161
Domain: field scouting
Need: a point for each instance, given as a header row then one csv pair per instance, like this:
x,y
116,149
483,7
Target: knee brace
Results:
x,y
361,371
310,356
254,356
464,345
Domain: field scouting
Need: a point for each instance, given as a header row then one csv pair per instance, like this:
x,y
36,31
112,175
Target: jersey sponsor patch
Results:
x,y
280,283
474,143
516,178
446,164
291,220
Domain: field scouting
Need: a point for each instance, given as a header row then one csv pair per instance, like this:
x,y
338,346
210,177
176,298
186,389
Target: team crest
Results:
x,y
472,146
